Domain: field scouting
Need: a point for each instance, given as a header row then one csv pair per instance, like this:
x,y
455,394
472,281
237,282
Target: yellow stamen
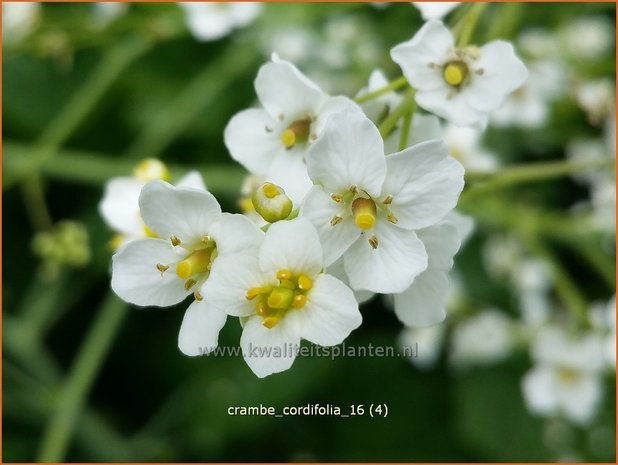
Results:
x,y
455,73
280,298
364,211
151,169
198,296
174,240
261,308
388,200
162,268
373,242
270,190
305,283
392,218
284,274
197,262
299,301
337,197
296,132
271,321
335,220
288,138
189,283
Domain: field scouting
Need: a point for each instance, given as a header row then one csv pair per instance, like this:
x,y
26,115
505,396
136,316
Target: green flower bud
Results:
x,y
271,202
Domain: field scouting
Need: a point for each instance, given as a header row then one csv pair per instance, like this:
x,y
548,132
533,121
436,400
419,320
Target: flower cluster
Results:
x,y
348,207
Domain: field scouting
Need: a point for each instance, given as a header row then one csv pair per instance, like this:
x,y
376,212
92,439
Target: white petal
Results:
x,y
319,208
331,312
337,270
331,106
206,21
422,304
253,139
389,268
192,179
230,279
288,171
237,233
425,184
580,398
269,351
423,128
442,241
435,10
199,332
243,13
349,152
120,208
454,108
187,213
284,90
136,279
539,387
293,245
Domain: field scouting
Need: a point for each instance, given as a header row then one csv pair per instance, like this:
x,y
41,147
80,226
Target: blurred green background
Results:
x,y
85,101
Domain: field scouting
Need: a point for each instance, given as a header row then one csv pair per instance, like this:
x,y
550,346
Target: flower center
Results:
x,y
568,375
455,72
197,262
151,169
364,211
297,132
272,303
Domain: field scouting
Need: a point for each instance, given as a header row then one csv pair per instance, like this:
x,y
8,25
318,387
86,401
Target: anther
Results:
x,y
198,296
299,301
189,283
174,240
388,200
373,242
270,322
337,197
305,283
335,220
392,218
162,268
284,274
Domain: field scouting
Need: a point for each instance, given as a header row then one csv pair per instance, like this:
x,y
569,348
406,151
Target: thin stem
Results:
x,y
469,23
407,125
388,125
392,86
36,207
82,374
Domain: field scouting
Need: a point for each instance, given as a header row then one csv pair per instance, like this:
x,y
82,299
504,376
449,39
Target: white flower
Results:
x,y
193,235
464,144
119,206
107,12
423,303
378,108
19,19
460,84
427,343
272,141
597,99
566,378
213,20
366,206
283,296
435,10
483,339
587,38
603,316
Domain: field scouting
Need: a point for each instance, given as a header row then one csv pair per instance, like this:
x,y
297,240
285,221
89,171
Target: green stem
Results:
x,y
36,206
200,92
392,86
389,124
469,23
82,374
533,172
407,124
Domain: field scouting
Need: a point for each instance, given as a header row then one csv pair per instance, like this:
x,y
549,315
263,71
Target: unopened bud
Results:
x,y
270,201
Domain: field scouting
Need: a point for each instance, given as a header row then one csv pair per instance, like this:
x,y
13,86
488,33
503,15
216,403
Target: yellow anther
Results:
x,y
253,293
116,242
174,240
270,322
299,301
335,220
197,262
261,308
151,169
284,274
162,268
270,190
296,132
198,296
353,189
455,73
373,242
337,197
149,232
305,283
392,218
364,211
189,283
388,200
280,298
288,138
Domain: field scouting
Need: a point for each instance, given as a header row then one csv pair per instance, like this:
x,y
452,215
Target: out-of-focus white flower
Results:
x,y
119,206
588,37
597,99
464,144
483,339
272,141
588,150
461,85
603,201
293,44
435,10
566,379
539,43
107,12
532,282
19,19
603,317
214,20
378,108
366,206
528,106
283,296
425,343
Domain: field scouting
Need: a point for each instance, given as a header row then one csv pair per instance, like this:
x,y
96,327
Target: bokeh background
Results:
x,y
89,90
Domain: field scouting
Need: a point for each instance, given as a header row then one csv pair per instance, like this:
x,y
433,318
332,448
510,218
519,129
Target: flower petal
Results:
x,y
337,270
422,304
331,312
580,399
187,213
319,208
192,179
236,233
252,137
199,332
288,171
119,206
442,241
539,387
269,351
349,152
283,90
136,279
293,245
454,108
391,267
425,184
